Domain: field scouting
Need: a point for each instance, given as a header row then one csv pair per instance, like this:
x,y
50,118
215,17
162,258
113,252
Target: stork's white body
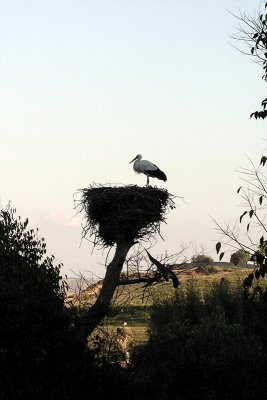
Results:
x,y
147,168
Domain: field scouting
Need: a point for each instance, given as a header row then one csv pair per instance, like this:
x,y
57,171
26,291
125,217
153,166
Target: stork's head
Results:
x,y
138,157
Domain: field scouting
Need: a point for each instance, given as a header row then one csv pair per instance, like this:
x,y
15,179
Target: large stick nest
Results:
x,y
125,212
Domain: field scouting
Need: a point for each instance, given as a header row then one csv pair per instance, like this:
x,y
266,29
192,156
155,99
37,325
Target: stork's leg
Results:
x,y
147,180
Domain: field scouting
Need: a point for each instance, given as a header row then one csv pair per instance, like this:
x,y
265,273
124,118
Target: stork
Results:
x,y
147,168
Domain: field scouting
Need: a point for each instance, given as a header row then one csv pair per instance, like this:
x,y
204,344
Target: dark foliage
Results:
x,y
128,212
43,353
204,349
32,312
214,348
31,299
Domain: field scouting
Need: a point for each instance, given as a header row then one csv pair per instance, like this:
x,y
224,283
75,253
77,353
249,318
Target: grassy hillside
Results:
x,y
132,303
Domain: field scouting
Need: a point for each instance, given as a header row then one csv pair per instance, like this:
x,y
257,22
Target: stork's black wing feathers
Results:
x,y
157,173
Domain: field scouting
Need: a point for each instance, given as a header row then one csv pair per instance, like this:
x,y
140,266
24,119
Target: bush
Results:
x,y
43,349
33,318
207,269
201,349
202,259
240,256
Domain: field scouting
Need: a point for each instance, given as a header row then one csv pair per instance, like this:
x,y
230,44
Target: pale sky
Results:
x,y
86,85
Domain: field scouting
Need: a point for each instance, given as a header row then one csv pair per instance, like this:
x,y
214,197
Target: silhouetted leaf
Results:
x,y
260,200
262,272
244,213
248,225
251,277
175,281
263,160
247,283
255,35
218,247
257,274
261,241
262,114
251,213
238,190
259,258
252,50
221,256
259,290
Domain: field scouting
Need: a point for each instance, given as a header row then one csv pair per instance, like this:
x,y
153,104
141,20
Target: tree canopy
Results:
x,y
239,256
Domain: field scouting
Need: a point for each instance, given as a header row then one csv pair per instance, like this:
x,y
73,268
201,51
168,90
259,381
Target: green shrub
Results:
x,y
207,269
202,259
43,351
31,301
202,349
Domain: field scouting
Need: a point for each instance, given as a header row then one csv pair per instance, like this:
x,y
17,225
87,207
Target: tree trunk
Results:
x,y
111,280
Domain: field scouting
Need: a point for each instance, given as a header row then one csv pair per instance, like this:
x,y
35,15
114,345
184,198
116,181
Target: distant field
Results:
x,y
133,303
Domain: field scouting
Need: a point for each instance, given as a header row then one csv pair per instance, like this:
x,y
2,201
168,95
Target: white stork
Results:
x,y
147,168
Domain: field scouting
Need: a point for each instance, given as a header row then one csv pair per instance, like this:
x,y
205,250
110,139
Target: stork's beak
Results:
x,y
135,158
